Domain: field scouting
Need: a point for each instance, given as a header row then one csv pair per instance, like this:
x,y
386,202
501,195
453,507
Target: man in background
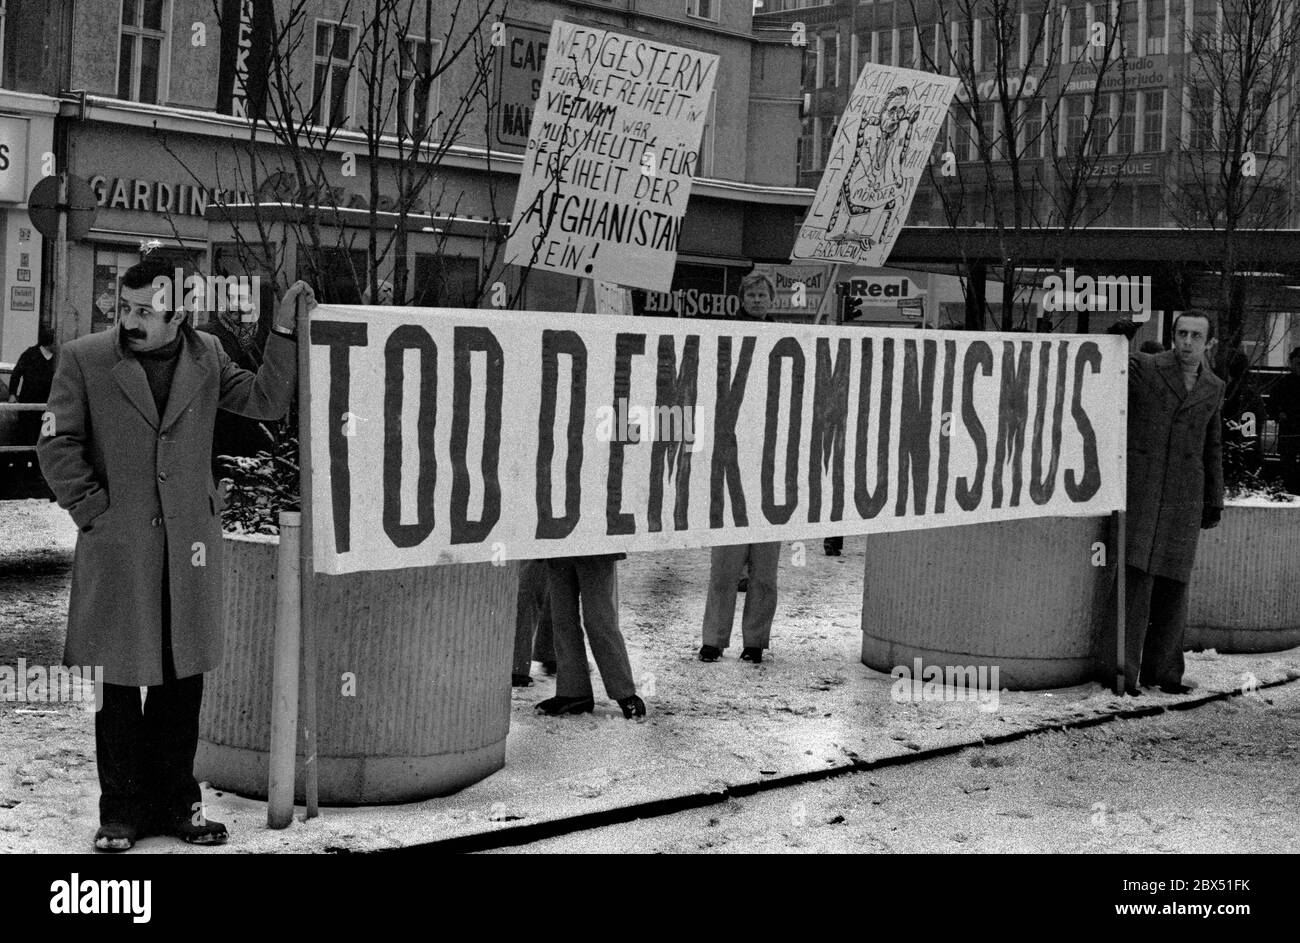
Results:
x,y
30,382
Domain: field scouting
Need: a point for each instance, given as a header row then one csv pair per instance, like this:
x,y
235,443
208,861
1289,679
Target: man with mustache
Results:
x,y
129,458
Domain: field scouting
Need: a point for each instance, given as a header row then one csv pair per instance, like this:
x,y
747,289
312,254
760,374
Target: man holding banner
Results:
x,y
760,561
127,451
1175,490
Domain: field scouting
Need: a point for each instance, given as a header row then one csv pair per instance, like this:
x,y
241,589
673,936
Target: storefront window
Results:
x,y
110,264
338,276
446,281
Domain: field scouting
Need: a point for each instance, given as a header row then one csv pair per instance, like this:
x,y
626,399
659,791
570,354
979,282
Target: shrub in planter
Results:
x,y
385,732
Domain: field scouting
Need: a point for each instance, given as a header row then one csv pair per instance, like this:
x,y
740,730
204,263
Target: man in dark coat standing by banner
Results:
x,y
1175,490
128,455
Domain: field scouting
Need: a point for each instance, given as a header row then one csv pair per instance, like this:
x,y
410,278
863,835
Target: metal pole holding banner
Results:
x,y
828,294
305,574
1121,593
284,673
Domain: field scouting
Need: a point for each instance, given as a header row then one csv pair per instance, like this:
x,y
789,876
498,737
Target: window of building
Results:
x,y
340,276
1154,20
140,50
1204,18
811,64
1031,129
1126,133
418,89
1153,120
885,46
827,125
1127,41
808,145
1077,28
1149,202
704,162
332,90
986,33
1076,124
962,49
445,281
988,113
1200,116
1257,126
704,9
828,60
907,47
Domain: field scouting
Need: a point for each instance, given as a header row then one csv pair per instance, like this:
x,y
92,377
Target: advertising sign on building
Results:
x,y
247,32
610,157
799,287
877,156
13,160
471,435
519,64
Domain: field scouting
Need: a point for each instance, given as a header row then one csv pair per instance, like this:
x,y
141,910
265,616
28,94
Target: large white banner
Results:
x,y
610,157
879,151
456,436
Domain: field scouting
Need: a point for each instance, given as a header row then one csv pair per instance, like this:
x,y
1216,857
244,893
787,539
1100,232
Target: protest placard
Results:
x,y
610,157
877,156
450,436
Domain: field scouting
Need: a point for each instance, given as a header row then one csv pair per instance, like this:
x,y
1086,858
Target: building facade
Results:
x,y
157,107
1122,113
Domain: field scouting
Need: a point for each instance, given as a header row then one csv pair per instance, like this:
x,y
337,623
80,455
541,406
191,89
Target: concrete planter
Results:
x,y
1244,594
1018,595
412,679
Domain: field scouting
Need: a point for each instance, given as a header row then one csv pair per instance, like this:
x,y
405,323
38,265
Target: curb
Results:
x,y
537,831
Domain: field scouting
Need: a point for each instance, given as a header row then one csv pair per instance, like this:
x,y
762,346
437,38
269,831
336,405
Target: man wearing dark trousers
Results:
x,y
1175,490
588,585
129,457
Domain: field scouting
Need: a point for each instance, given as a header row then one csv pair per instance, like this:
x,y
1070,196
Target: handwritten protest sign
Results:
x,y
877,157
449,436
610,157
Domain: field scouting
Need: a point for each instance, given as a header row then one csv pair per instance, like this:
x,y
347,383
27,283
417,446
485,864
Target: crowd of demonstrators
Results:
x,y
1284,399
128,455
30,382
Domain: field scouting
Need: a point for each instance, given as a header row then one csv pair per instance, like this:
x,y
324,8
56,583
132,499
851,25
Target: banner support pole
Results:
x,y
284,673
1121,597
306,575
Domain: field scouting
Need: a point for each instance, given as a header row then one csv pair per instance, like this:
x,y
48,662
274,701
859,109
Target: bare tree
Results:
x,y
1242,111
1018,91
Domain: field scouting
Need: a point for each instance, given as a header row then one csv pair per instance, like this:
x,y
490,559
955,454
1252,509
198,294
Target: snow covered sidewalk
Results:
x,y
810,709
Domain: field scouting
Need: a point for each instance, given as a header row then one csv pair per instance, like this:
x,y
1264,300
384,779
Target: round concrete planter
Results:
x,y
412,679
1244,594
1016,595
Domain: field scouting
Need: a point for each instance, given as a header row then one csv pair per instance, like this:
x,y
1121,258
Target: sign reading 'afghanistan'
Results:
x,y
458,436
610,157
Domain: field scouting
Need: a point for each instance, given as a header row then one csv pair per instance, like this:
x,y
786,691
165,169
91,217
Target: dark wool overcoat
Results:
x,y
139,486
1175,462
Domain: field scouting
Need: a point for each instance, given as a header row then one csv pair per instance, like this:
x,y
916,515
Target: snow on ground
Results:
x,y
811,706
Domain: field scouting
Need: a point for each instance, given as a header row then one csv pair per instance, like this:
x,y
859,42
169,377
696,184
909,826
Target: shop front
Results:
x,y
26,155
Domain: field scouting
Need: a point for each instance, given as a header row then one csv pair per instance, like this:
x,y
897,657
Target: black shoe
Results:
x,y
115,836
1175,688
743,585
208,833
710,653
520,681
752,654
633,707
549,668
1133,692
555,706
